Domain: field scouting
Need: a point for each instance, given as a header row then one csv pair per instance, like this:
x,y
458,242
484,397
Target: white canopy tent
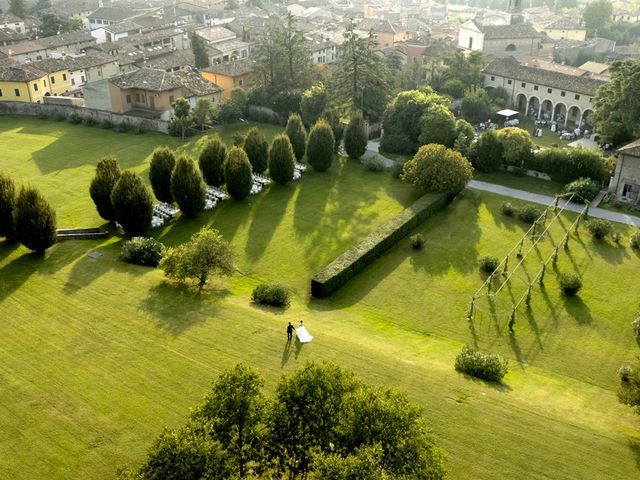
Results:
x,y
506,113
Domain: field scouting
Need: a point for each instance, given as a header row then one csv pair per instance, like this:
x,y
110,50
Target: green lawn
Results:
x,y
548,138
521,182
98,356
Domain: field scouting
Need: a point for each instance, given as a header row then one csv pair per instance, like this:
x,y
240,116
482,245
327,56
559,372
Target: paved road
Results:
x,y
373,149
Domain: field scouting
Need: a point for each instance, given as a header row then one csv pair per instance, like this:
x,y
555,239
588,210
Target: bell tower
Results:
x,y
515,9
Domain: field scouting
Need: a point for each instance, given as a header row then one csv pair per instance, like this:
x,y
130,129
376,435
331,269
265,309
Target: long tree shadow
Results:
x,y
14,274
612,254
634,446
7,248
577,309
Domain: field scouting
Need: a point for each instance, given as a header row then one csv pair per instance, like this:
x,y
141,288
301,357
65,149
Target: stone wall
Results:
x,y
17,108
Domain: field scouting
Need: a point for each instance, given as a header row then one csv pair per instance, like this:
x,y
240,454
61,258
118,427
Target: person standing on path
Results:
x,y
289,332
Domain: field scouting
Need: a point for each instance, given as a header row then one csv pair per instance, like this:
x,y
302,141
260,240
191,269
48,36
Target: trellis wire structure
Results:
x,y
535,235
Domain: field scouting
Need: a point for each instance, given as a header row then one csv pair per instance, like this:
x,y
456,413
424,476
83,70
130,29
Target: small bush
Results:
x,y
238,139
486,366
42,116
397,168
417,241
139,130
584,188
635,240
123,127
507,209
75,119
529,213
635,325
273,294
142,251
373,163
106,124
570,283
90,122
58,117
599,228
624,372
617,238
489,263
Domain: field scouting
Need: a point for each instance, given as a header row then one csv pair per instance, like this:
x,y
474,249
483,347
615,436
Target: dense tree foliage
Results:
x,y
465,135
333,118
629,391
7,206
257,149
205,254
297,135
597,14
313,103
355,136
320,148
163,161
487,152
52,24
202,113
435,168
34,220
18,8
199,47
461,71
107,175
211,161
476,105
238,173
182,119
188,187
437,125
281,160
517,146
132,204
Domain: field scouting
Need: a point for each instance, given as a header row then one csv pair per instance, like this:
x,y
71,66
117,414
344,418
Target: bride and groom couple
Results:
x,y
301,332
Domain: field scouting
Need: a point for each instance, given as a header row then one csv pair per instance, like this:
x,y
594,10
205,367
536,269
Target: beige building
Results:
x,y
625,184
564,30
517,40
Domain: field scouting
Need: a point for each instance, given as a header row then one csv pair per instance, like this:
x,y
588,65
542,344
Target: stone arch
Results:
x,y
560,113
546,110
521,103
511,47
573,115
586,119
533,107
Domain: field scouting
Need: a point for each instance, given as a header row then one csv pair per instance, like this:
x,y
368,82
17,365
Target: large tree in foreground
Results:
x,y
281,159
163,161
205,254
320,147
238,173
7,206
436,168
187,187
257,149
107,175
211,161
34,220
132,204
297,135
355,136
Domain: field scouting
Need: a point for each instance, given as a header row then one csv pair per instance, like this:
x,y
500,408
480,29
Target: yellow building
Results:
x,y
32,81
230,75
564,30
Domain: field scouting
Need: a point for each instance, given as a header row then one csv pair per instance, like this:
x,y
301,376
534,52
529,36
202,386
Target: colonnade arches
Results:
x,y
545,109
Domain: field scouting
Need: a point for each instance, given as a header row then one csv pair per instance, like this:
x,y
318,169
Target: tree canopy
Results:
x,y
436,168
597,14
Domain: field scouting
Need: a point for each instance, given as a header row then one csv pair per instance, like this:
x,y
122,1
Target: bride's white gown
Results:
x,y
303,335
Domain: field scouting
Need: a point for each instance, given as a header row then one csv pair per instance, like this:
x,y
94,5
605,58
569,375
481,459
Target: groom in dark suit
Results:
x,y
289,332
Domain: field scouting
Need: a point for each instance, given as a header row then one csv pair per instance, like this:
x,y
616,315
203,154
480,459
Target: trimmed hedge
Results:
x,y
354,260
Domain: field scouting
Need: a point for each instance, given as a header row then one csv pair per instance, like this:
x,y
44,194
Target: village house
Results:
x,y
116,31
30,83
230,75
564,29
517,40
625,184
56,46
106,16
11,22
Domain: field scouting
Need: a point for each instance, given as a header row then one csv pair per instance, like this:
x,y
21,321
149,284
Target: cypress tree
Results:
x,y
333,118
107,174
132,204
211,161
355,137
187,187
7,206
34,220
238,174
321,146
257,149
163,161
297,135
281,159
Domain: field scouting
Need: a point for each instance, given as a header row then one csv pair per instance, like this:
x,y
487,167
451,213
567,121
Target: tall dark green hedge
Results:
x,y
7,206
297,135
354,260
257,149
211,161
486,152
321,146
281,160
107,174
163,160
355,136
133,204
34,220
333,118
187,187
238,173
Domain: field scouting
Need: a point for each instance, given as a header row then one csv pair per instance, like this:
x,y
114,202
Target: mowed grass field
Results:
x,y
97,356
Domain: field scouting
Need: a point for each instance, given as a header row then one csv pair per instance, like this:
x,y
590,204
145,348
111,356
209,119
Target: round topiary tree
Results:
x,y
107,174
437,125
132,204
436,168
320,147
281,159
297,135
163,161
211,161
238,173
486,152
7,206
355,136
187,186
517,146
257,149
34,220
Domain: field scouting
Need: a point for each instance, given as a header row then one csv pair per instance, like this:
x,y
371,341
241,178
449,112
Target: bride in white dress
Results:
x,y
302,334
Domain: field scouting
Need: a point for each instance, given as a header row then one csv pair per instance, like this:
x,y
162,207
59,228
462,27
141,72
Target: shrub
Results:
x,y
529,213
635,326
320,147
238,139
257,149
90,122
436,168
106,124
313,103
273,294
373,163
132,204
570,283
139,130
346,266
625,372
237,173
517,146
635,240
107,175
355,136
486,366
211,161
584,188
489,263
568,164
487,152
397,143
229,112
507,209
617,238
162,164
75,119
123,127
437,125
187,187
397,168
142,251
417,241
34,220
297,135
599,228
281,159
333,119
7,206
